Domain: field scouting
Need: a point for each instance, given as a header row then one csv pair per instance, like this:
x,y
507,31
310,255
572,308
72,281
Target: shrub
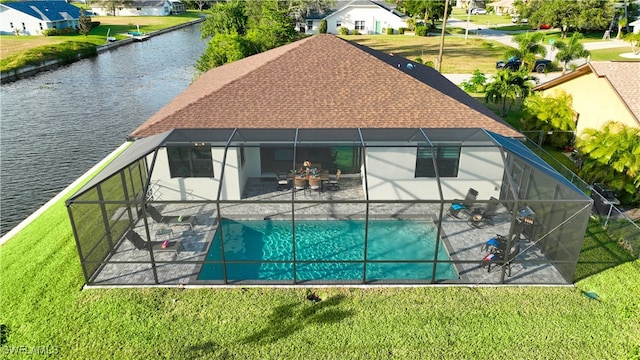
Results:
x,y
421,30
418,60
323,26
50,32
343,31
476,83
95,24
389,31
401,30
429,63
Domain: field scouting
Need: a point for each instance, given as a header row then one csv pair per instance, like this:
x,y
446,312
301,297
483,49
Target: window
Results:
x,y
359,25
447,158
140,9
309,25
242,158
190,161
11,24
338,24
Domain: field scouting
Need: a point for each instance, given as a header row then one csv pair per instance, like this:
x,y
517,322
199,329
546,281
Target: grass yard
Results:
x,y
456,55
612,54
18,51
43,307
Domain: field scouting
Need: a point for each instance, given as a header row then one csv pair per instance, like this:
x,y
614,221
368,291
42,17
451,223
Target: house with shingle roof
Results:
x,y
198,182
602,91
133,8
363,16
33,17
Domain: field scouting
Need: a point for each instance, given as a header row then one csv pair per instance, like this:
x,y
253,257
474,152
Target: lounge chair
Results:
x,y
481,216
333,181
283,183
457,207
141,244
170,220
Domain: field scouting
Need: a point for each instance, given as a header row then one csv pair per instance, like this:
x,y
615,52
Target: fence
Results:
x,y
617,224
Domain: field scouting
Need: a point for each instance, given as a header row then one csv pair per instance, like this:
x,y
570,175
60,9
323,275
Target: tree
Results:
x,y
84,23
549,114
622,22
431,10
223,48
571,50
323,26
476,83
274,27
583,14
612,156
226,18
634,40
506,87
529,45
243,28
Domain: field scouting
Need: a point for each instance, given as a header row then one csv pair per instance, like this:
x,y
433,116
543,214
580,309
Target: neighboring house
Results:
x,y
33,17
470,4
364,16
177,7
602,91
503,7
133,8
636,26
409,144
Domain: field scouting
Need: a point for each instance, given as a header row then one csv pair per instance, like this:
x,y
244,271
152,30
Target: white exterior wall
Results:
x,y
31,26
197,188
348,16
391,175
125,11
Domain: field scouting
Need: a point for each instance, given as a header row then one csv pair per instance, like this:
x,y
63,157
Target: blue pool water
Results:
x,y
326,250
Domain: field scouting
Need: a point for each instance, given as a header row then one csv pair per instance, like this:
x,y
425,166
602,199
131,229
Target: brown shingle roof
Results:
x,y
323,82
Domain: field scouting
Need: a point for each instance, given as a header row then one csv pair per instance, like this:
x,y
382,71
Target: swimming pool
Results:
x,y
326,251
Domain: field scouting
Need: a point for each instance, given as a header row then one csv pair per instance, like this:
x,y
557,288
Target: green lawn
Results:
x,y
19,51
43,305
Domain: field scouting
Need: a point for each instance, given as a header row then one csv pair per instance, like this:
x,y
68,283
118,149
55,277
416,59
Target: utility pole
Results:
x,y
444,27
466,32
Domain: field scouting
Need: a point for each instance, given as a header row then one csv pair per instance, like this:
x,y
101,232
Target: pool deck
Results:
x,y
126,264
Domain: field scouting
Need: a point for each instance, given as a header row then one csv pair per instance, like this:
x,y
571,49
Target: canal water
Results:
x,y
56,125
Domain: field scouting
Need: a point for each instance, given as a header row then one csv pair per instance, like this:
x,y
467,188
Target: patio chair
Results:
x,y
170,220
333,181
465,205
499,256
300,184
481,216
315,184
283,183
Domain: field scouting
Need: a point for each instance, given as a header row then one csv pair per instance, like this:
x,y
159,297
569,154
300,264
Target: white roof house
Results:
x,y
133,8
365,16
33,17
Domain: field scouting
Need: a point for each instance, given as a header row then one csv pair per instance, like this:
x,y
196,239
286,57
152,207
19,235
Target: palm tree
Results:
x,y
529,45
571,50
506,87
621,23
612,156
550,114
634,40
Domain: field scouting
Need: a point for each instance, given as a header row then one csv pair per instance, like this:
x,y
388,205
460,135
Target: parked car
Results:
x,y
516,19
606,193
514,63
478,11
544,26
